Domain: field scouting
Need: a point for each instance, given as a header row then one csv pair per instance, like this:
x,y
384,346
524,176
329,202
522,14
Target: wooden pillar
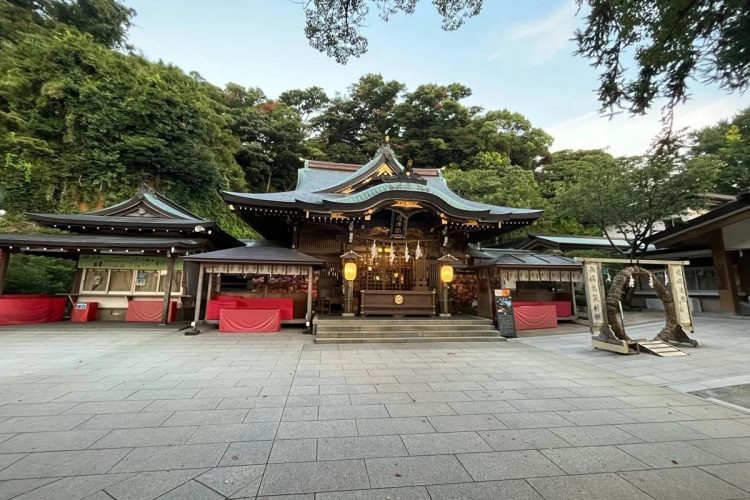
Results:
x,y
308,314
4,260
167,290
725,277
573,296
743,269
210,287
198,297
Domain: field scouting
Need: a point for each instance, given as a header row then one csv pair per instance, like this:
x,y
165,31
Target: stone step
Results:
x,y
403,321
407,333
396,328
407,339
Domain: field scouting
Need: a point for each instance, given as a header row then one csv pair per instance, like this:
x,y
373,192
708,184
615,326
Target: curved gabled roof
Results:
x,y
335,186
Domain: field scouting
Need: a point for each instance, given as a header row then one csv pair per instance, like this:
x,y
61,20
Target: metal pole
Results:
x,y
308,315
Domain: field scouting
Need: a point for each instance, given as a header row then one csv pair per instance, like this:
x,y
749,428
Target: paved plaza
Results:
x,y
106,412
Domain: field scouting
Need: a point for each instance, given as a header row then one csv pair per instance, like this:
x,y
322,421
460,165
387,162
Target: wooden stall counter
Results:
x,y
397,302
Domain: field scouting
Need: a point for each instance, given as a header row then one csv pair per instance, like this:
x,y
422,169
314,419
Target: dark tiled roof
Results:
x,y
260,252
519,258
100,242
741,204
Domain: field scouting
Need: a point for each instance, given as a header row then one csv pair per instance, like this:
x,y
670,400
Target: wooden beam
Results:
x,y
634,261
725,278
4,260
198,297
167,291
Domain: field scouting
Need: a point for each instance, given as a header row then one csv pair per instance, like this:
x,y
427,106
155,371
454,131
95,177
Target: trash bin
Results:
x,y
84,311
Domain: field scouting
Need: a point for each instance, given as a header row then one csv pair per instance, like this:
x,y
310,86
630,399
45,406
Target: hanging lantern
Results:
x,y
350,265
446,268
350,271
446,273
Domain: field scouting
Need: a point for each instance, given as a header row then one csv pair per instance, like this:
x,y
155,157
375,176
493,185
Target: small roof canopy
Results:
x,y
257,252
62,245
731,218
523,259
147,212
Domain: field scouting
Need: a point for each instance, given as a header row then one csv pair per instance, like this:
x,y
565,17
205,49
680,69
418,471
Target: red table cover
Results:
x,y
214,306
564,308
535,317
285,306
149,311
249,320
23,309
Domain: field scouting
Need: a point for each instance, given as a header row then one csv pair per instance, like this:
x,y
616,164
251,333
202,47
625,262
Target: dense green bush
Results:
x,y
33,274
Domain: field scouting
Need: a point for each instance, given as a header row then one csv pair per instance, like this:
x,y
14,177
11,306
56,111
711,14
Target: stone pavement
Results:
x,y
105,412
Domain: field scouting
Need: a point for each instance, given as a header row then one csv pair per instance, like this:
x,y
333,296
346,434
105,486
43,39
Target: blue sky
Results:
x,y
515,55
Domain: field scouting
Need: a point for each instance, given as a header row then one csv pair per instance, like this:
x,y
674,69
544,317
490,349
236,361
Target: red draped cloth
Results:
x,y
23,309
563,307
285,306
149,311
535,317
249,320
215,306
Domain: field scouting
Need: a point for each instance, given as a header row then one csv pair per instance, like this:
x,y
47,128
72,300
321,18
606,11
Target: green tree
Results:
x,y
433,125
307,102
35,274
352,126
84,124
493,180
271,137
729,142
645,49
333,26
107,21
631,195
671,43
512,134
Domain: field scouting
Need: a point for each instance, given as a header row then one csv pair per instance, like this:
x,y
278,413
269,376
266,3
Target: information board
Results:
x,y
505,321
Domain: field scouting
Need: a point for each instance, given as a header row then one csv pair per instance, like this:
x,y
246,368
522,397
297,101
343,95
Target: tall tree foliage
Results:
x,y
631,195
671,44
729,142
430,125
271,137
645,49
333,26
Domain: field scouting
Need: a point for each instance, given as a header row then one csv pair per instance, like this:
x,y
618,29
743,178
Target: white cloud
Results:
x,y
541,38
632,135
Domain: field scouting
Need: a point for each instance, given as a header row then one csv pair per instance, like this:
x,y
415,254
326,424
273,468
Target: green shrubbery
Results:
x,y
34,274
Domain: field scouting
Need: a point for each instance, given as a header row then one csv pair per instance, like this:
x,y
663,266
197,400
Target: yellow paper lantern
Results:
x,y
350,271
446,273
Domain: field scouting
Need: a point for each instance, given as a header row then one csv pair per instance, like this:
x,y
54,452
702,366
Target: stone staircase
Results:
x,y
454,329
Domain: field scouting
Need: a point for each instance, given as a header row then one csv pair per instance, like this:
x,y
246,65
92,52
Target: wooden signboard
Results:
x,y
505,321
